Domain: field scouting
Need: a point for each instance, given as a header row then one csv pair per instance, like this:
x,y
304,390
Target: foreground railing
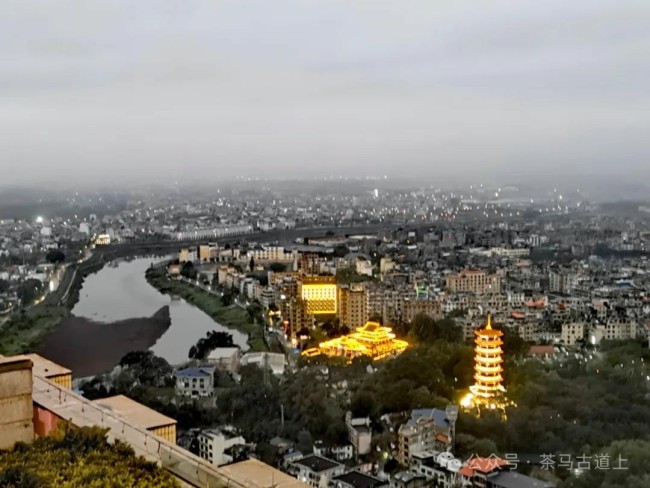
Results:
x,y
82,412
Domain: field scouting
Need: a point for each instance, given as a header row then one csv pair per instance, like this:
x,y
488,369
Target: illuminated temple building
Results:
x,y
371,340
487,390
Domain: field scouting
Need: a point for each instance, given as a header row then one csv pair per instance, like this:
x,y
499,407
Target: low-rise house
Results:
x,y
274,361
214,445
225,358
315,470
195,382
407,479
543,351
355,479
339,453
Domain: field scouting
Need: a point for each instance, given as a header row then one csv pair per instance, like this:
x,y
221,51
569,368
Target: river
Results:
x,y
120,291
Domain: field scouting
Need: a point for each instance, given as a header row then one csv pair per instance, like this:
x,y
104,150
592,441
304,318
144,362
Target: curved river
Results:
x,y
120,291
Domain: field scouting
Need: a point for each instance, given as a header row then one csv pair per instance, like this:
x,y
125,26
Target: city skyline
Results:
x,y
170,92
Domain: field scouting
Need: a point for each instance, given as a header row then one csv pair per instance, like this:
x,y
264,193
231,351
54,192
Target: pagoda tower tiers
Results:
x,y
487,364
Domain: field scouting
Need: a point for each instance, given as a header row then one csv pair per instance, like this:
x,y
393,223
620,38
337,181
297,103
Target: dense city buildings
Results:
x,y
327,311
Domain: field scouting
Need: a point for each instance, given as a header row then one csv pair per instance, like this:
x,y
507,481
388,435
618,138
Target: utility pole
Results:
x,y
267,379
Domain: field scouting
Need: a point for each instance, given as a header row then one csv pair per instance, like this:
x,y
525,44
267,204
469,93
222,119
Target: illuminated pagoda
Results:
x,y
373,340
487,390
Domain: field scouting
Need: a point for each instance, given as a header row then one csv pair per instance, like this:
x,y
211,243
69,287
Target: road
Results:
x,y
279,236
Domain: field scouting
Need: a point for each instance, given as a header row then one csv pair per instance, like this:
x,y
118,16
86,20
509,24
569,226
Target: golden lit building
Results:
x,y
102,240
372,340
319,294
487,390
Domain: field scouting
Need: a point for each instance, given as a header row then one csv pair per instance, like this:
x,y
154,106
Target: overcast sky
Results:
x,y
153,89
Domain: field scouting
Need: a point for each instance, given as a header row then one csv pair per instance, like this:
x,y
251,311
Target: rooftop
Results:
x,y
317,463
438,416
135,412
360,480
484,465
542,349
45,368
223,352
510,479
193,372
226,432
255,473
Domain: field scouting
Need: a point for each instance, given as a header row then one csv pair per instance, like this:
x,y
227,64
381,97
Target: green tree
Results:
x,y
212,340
305,442
363,404
427,329
54,256
622,464
228,297
514,347
188,271
341,250
28,290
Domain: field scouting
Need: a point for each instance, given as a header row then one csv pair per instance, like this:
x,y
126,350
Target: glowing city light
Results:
x,y
372,340
487,390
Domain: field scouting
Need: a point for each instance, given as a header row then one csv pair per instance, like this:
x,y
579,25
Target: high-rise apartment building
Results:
x,y
353,305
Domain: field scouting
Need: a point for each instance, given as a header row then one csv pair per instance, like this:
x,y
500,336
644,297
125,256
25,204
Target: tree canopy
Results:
x,y
427,329
188,270
28,290
211,341
73,457
55,256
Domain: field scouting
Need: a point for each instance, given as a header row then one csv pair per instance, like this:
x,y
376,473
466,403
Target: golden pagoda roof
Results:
x,y
488,330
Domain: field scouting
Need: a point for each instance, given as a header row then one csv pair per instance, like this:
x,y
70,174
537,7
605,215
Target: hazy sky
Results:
x,y
101,91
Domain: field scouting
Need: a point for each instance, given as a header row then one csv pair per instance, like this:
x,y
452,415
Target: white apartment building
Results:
x,y
214,443
271,254
224,230
620,330
572,332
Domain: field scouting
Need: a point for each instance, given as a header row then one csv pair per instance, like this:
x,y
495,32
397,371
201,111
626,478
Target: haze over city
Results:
x,y
112,92
325,244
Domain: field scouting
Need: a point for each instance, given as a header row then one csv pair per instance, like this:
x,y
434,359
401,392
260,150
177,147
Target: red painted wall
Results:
x,y
44,421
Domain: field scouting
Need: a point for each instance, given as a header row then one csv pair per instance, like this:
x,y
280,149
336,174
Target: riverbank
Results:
x,y
231,316
88,347
24,330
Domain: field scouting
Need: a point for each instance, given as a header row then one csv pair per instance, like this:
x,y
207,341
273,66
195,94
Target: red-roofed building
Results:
x,y
543,351
476,469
